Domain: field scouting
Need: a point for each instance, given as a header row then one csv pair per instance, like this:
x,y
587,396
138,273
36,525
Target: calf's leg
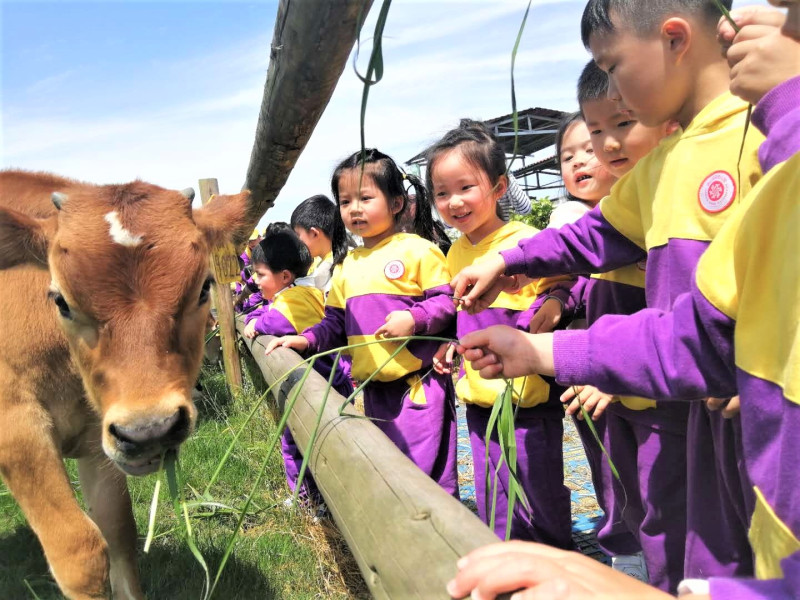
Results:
x,y
105,490
33,469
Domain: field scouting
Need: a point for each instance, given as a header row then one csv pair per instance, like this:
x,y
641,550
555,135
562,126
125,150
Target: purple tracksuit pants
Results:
x,y
540,469
424,429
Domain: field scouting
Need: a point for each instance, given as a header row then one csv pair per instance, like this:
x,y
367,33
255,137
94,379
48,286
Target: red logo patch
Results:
x,y
717,192
394,269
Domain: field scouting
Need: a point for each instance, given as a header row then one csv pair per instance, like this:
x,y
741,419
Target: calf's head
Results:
x,y
130,284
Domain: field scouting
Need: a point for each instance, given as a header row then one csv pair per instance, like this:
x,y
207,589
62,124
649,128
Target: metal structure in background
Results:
x,y
536,148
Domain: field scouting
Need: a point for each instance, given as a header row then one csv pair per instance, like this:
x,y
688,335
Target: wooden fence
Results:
x,y
403,529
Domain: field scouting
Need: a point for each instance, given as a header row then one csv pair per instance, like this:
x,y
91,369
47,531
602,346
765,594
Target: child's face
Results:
x,y
584,176
270,282
464,196
642,74
618,139
366,212
311,238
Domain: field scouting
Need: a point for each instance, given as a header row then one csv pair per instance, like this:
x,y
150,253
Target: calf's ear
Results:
x,y
24,240
222,220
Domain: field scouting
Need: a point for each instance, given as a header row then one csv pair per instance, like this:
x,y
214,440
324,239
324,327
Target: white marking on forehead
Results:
x,y
118,232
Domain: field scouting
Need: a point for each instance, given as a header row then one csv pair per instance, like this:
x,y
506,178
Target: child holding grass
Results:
x,y
396,285
724,335
664,62
466,176
278,261
646,443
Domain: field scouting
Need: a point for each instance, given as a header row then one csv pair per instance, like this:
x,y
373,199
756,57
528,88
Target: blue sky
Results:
x,y
170,91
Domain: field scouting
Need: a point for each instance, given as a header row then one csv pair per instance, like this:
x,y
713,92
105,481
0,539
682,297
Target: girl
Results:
x,y
396,285
466,175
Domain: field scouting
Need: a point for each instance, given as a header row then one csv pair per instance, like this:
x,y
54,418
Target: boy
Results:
x,y
313,222
663,62
278,261
647,446
715,337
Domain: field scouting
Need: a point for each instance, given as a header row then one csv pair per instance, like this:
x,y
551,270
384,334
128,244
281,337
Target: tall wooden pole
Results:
x,y
221,297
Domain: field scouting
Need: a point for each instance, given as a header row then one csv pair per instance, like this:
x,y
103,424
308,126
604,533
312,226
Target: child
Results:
x,y
313,222
646,444
466,175
712,342
278,261
664,61
396,285
246,290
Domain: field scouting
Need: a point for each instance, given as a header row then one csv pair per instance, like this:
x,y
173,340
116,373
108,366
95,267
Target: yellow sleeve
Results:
x,y
621,208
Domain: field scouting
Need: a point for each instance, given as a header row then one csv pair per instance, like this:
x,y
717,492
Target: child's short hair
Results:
x,y
643,16
277,226
592,84
282,250
318,211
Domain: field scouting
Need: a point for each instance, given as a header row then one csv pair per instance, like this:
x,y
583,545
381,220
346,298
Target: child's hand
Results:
x,y
594,401
479,282
763,55
295,342
547,317
250,329
399,323
504,351
748,15
730,407
443,359
540,572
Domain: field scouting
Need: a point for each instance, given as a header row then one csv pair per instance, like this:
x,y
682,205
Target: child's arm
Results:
x,y
684,354
590,245
556,303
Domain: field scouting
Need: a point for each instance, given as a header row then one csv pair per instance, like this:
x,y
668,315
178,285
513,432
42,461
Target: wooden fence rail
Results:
x,y
405,532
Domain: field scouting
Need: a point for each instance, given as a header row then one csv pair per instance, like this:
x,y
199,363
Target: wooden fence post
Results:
x,y
221,296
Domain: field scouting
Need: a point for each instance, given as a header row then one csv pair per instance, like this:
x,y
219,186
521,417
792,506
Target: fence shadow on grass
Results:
x,y
166,573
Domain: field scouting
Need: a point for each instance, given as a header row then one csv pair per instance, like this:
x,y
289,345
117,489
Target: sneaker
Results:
x,y
632,565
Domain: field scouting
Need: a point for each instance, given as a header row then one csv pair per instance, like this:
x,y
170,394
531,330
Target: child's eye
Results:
x,y
467,187
596,132
566,159
627,123
611,69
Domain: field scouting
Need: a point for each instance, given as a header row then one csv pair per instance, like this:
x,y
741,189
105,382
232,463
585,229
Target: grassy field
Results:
x,y
282,553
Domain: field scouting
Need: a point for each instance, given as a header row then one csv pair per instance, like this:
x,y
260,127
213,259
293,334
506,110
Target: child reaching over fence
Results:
x,y
395,285
466,176
278,261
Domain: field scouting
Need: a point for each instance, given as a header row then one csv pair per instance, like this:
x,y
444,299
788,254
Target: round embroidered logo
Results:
x,y
717,192
394,269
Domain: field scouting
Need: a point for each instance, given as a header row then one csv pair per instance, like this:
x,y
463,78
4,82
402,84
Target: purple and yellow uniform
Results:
x,y
255,299
737,330
292,310
539,420
667,210
413,405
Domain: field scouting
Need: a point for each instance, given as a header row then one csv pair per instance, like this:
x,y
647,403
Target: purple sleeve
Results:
x,y
787,588
685,354
328,333
254,315
272,322
435,312
778,117
589,245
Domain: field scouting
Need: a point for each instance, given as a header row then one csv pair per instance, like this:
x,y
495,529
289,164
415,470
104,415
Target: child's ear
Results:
x,y
397,205
286,277
314,232
501,188
677,33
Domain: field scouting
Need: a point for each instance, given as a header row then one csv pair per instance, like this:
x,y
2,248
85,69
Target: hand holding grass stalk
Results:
x,y
761,40
502,351
586,400
443,359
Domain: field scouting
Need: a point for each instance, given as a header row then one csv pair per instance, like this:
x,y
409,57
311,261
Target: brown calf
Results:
x,y
104,296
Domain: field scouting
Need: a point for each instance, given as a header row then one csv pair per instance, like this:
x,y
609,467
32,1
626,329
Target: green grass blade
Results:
x,y
490,427
588,419
313,439
172,471
514,115
374,374
726,13
151,521
30,589
273,443
211,334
